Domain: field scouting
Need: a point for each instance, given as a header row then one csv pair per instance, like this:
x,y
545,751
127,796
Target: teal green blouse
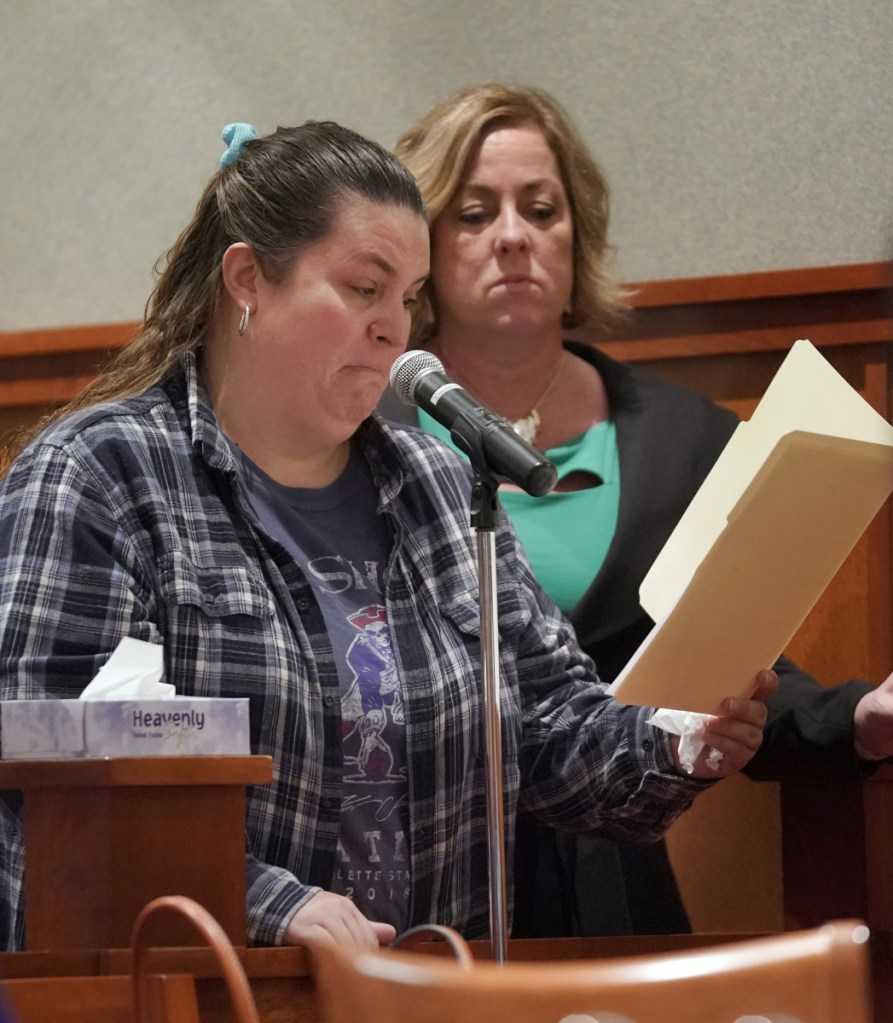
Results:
x,y
566,534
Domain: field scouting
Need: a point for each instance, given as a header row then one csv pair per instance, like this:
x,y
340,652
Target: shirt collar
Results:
x,y
207,437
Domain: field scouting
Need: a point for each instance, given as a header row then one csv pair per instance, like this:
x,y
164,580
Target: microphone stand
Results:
x,y
467,436
484,514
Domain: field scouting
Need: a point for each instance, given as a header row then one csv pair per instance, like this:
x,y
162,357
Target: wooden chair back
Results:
x,y
144,995
815,976
140,996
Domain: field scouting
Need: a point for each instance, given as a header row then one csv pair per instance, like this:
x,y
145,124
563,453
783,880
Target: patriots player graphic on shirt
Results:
x,y
373,697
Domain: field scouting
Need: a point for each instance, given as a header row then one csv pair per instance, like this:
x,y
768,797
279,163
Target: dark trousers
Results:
x,y
585,886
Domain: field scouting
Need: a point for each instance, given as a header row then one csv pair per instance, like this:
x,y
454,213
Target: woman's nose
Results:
x,y
511,231
392,325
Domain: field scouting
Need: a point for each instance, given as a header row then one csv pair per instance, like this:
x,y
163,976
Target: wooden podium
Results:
x,y
105,836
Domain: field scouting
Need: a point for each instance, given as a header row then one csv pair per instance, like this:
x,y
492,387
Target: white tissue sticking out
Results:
x,y
690,729
132,672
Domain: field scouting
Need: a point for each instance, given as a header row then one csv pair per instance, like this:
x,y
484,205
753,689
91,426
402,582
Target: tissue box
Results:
x,y
182,726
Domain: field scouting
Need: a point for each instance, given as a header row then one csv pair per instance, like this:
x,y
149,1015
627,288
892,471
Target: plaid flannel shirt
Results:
x,y
129,519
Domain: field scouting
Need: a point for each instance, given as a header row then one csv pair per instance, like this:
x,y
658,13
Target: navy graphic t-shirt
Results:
x,y
342,544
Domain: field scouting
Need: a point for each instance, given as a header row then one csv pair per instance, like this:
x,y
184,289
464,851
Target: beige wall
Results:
x,y
738,134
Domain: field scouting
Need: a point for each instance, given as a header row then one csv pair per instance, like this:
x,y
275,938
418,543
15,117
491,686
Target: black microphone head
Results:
x,y
407,369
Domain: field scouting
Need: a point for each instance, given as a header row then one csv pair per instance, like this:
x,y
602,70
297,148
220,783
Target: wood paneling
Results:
x,y
42,369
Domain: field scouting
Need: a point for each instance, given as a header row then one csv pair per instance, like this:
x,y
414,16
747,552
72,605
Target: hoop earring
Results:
x,y
243,322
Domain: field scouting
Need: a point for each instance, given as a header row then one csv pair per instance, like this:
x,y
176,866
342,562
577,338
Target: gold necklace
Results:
x,y
528,426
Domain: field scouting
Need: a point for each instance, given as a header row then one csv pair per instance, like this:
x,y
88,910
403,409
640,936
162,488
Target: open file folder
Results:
x,y
787,500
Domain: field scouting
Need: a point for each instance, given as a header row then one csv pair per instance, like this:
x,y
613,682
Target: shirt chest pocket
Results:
x,y
462,612
221,635
216,592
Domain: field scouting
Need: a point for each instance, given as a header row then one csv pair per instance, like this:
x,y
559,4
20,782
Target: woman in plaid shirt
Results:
x,y
226,491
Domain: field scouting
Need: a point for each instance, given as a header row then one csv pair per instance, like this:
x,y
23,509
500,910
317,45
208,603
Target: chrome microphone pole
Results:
x,y
484,516
484,519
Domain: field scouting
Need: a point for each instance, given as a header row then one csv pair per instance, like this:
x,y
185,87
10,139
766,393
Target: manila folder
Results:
x,y
785,537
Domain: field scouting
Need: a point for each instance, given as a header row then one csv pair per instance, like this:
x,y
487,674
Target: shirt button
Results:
x,y
330,802
648,745
328,699
302,604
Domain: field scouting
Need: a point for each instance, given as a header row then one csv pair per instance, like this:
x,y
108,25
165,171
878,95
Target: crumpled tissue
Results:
x,y
689,726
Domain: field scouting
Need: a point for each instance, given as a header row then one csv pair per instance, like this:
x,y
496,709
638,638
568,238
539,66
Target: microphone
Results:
x,y
489,441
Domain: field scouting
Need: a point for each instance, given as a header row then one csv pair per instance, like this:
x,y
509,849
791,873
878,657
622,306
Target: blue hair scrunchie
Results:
x,y
235,136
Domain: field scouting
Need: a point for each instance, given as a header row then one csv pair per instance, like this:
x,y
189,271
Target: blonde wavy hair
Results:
x,y
438,149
